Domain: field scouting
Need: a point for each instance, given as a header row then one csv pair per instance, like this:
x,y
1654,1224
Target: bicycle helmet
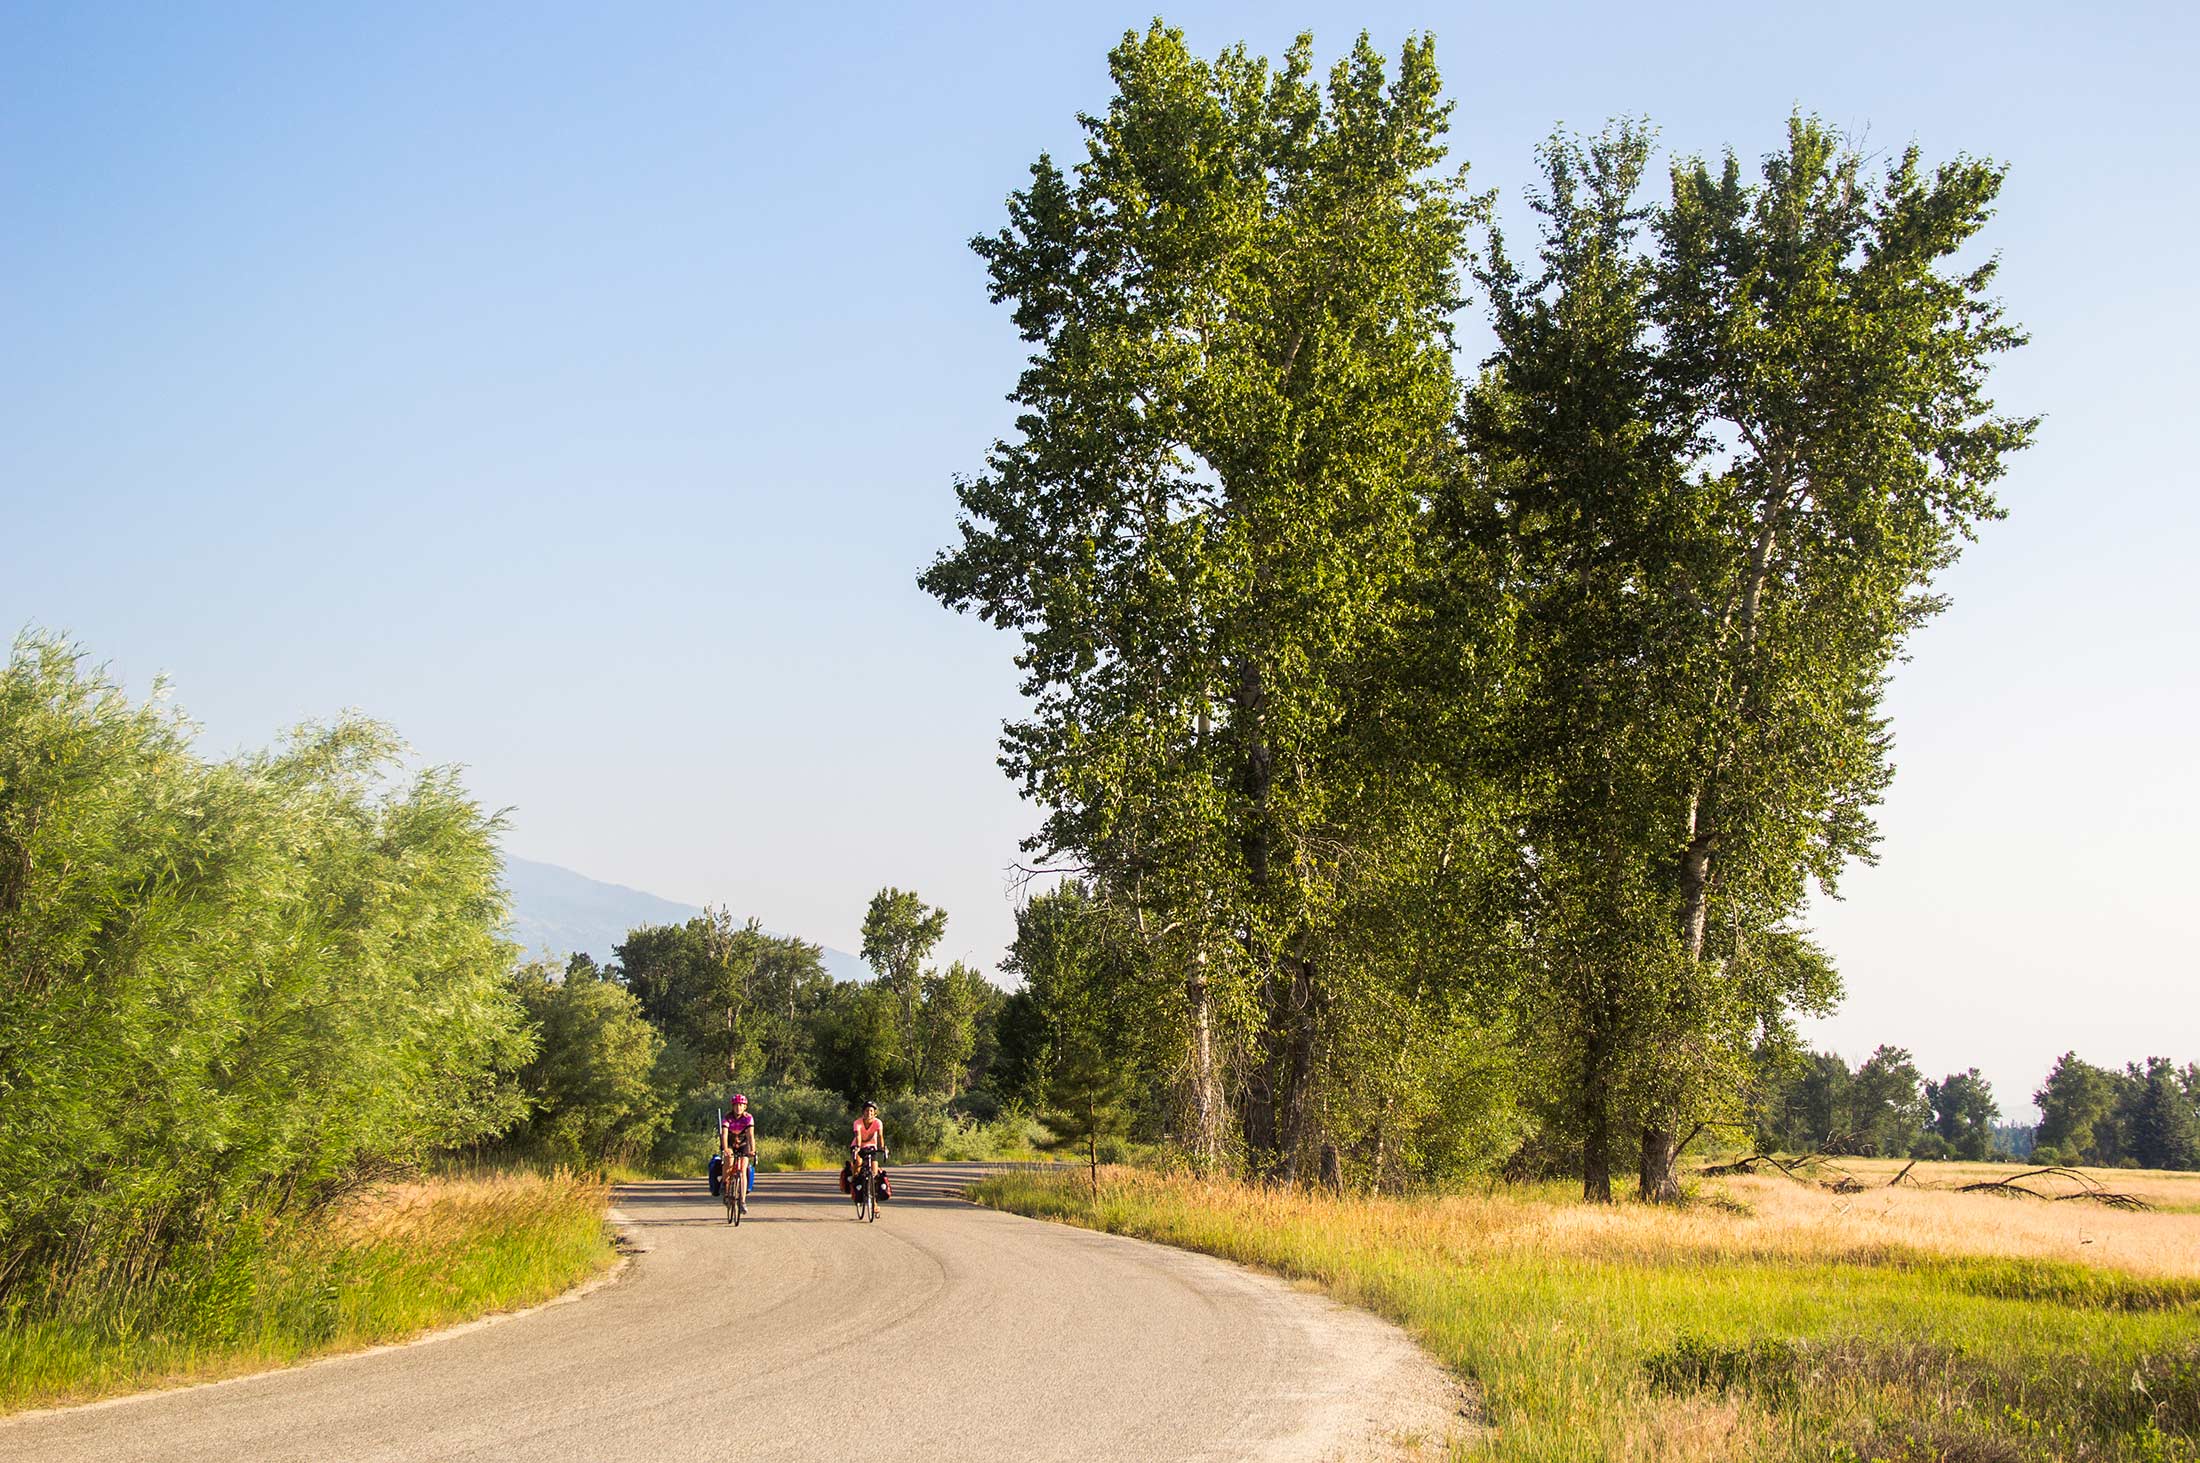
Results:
x,y
739,1100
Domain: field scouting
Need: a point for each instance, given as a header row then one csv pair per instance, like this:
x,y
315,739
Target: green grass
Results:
x,y
407,1260
1643,1333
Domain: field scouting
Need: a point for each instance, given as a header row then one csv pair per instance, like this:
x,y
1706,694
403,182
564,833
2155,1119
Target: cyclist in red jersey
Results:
x,y
870,1138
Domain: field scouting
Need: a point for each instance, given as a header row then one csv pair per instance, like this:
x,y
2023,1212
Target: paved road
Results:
x,y
943,1331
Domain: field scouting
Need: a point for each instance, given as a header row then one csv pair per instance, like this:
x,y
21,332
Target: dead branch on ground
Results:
x,y
2088,1188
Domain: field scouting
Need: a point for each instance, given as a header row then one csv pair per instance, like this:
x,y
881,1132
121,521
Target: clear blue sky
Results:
x,y
579,388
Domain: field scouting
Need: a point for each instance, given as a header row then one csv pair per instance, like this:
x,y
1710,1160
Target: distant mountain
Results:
x,y
556,912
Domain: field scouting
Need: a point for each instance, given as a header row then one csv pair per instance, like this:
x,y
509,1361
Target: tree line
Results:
x,y
1441,760
2144,1116
652,1042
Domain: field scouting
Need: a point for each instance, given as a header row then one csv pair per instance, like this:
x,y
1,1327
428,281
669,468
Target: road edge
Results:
x,y
1452,1419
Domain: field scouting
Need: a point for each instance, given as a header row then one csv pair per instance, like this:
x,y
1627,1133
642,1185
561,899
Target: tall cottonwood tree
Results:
x,y
899,933
1237,406
1727,468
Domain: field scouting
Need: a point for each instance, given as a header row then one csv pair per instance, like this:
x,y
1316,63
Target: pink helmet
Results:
x,y
739,1100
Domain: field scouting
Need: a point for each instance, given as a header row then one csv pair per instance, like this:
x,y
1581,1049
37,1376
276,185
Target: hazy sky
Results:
x,y
580,388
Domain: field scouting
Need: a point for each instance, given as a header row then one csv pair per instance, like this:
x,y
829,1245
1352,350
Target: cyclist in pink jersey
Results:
x,y
737,1146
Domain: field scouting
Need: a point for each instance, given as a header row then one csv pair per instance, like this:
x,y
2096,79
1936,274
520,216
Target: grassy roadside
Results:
x,y
394,1264
1773,1322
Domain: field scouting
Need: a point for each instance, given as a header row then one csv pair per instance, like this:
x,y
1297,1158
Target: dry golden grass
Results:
x,y
1784,1220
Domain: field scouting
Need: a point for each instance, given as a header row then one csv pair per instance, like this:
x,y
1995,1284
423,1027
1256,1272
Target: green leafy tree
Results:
x,y
1024,1041
788,992
735,1001
900,932
1086,979
947,1028
1086,1101
859,1051
2078,1111
1964,1114
1887,1111
2160,1126
1239,303
1809,1105
1726,469
593,1083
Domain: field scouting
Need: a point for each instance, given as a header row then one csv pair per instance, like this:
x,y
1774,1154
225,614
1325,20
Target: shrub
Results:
x,y
593,1085
225,987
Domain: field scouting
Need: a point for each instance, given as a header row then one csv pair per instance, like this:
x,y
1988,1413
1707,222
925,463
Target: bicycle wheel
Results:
x,y
870,1197
732,1190
740,1189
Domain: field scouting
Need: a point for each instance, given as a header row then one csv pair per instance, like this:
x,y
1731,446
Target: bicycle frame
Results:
x,y
736,1175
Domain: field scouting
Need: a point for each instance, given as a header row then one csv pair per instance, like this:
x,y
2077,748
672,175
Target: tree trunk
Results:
x,y
1259,1121
1295,1100
1596,1102
1596,1153
1268,1122
1660,1183
1206,1083
1332,1169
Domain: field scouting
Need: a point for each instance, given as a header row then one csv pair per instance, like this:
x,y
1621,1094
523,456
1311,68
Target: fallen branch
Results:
x,y
2088,1188
1847,1183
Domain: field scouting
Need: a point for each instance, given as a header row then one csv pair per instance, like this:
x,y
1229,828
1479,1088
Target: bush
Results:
x,y
225,987
976,1106
801,1114
593,1086
804,1112
916,1127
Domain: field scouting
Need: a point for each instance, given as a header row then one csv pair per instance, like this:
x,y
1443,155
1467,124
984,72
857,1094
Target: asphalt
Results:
x,y
943,1331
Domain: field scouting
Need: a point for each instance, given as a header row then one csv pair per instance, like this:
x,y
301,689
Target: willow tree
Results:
x,y
227,989
1236,407
1729,466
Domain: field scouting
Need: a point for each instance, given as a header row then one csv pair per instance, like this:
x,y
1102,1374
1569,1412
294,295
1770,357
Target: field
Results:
x,y
1768,1319
397,1262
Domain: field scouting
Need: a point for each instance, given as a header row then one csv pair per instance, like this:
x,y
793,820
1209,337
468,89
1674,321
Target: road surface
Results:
x,y
943,1331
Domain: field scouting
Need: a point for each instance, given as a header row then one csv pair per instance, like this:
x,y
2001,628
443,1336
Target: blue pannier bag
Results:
x,y
717,1180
